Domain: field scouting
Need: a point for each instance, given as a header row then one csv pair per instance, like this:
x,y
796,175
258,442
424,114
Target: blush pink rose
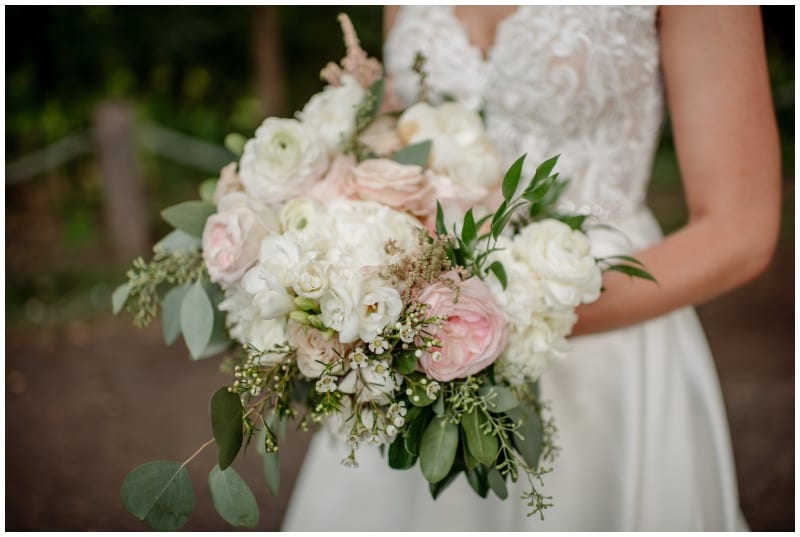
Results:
x,y
227,184
399,186
473,334
232,238
334,184
313,350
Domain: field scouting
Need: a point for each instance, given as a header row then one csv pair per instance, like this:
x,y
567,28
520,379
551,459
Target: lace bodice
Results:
x,y
583,82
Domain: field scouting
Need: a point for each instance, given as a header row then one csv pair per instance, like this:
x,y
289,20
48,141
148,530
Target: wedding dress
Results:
x,y
642,427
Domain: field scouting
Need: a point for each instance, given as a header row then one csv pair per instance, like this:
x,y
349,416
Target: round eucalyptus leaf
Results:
x,y
120,296
233,499
160,494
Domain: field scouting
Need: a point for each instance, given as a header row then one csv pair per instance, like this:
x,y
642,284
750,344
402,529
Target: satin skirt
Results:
x,y
641,426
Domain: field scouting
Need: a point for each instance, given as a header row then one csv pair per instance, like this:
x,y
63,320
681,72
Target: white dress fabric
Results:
x,y
642,427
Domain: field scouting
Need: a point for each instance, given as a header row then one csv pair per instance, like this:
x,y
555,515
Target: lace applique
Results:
x,y
583,82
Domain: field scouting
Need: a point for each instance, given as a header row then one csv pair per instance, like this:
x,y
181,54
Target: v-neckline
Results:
x,y
451,10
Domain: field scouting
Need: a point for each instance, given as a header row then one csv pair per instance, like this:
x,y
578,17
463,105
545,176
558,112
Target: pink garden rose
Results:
x,y
232,238
228,183
313,350
473,335
334,184
399,186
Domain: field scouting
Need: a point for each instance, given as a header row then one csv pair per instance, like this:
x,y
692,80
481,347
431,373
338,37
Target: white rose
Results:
x,y
313,351
461,149
563,260
269,295
300,214
332,112
284,159
380,306
338,306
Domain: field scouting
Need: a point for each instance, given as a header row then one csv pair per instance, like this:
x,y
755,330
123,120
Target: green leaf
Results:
x,y
437,488
405,362
476,477
160,494
375,90
272,471
171,313
399,457
179,241
543,170
413,435
197,319
499,225
414,154
482,446
438,406
499,271
469,460
511,180
498,398
120,296
206,190
219,340
632,271
468,231
627,258
441,229
574,221
235,143
531,444
233,499
497,483
189,216
438,447
226,422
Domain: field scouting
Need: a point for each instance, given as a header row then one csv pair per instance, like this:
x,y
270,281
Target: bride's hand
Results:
x,y
718,93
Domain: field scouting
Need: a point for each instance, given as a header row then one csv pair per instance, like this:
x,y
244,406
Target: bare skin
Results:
x,y
720,105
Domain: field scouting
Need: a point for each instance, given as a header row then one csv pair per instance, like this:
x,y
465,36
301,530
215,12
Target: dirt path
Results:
x,y
87,403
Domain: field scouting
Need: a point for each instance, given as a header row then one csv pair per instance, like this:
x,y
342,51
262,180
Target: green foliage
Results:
x,y
196,319
171,312
414,154
233,499
226,422
160,494
497,483
498,398
481,443
272,472
438,449
189,216
235,143
120,296
399,457
530,438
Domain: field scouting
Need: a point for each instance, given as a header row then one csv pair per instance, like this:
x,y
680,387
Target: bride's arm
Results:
x,y
723,122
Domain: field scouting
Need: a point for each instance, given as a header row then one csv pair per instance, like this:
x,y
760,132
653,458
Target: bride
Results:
x,y
642,429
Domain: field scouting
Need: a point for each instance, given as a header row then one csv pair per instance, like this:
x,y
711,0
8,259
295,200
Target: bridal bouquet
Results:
x,y
377,274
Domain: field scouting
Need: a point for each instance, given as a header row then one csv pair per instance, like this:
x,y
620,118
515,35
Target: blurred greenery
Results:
x,y
192,69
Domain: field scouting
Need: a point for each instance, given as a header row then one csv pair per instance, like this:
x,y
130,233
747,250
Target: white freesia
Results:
x,y
380,305
563,260
284,159
311,279
332,112
461,148
300,214
339,305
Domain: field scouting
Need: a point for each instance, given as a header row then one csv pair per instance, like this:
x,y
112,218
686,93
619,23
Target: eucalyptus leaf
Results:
x,y
272,471
399,457
531,443
437,488
234,142
414,154
206,190
197,319
120,296
498,398
438,448
219,340
189,216
482,446
226,423
160,494
171,313
232,498
469,460
511,180
179,241
497,483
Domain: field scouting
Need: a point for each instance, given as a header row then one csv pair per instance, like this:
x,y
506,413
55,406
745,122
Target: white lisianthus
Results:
x,y
332,112
300,214
380,306
269,295
461,148
284,159
339,305
563,260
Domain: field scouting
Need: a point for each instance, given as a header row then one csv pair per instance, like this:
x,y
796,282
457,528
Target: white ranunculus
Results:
x,y
332,112
563,260
339,305
284,159
269,295
461,148
380,306
300,214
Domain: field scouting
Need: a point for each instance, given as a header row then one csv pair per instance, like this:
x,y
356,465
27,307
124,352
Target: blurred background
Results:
x,y
113,113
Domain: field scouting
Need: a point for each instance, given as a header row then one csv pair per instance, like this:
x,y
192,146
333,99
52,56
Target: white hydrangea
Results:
x,y
332,112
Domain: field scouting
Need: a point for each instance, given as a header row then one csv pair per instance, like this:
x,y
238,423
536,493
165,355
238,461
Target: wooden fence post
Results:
x,y
125,205
268,60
